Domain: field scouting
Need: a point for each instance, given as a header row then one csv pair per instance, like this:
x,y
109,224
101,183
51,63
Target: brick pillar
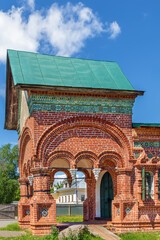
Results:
x,y
89,206
124,205
24,204
43,206
124,183
156,186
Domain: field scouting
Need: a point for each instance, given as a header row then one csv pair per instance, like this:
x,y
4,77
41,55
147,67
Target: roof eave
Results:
x,y
146,125
119,92
11,108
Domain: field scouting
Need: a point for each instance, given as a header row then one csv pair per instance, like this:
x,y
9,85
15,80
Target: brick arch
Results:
x,y
116,158
83,121
66,171
86,173
86,155
26,148
57,155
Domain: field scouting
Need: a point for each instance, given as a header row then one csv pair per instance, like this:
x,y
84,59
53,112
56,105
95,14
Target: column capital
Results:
x,y
73,172
40,170
23,181
123,170
96,172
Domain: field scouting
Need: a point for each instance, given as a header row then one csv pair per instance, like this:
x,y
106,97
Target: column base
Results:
x,y
24,214
135,226
41,230
43,214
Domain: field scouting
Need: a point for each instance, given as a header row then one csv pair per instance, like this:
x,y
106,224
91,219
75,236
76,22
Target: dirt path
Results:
x,y
102,232
11,233
5,222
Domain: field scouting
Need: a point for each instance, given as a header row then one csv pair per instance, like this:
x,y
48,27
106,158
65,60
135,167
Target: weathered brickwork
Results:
x,y
68,131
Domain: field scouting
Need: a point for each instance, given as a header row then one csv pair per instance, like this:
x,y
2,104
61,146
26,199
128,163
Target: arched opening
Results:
x,y
59,185
106,196
69,195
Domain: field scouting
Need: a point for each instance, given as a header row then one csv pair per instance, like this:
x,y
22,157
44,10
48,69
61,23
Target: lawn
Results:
x,y
84,235
140,236
69,219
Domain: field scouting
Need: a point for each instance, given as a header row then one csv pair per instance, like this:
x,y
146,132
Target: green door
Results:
x,y
106,192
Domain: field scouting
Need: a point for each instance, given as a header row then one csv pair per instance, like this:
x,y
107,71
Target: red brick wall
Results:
x,y
78,135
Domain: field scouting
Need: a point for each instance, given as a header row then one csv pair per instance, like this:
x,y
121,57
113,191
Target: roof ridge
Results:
x,y
44,54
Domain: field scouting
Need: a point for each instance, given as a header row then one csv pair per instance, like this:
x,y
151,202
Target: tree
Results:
x,y
9,185
57,186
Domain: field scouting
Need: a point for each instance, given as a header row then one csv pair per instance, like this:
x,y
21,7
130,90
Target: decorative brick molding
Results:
x,y
79,104
114,131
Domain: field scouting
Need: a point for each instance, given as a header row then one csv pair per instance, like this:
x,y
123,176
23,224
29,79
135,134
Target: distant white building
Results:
x,y
76,194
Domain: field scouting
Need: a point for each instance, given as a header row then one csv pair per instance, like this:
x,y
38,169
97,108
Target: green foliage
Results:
x,y
11,227
57,186
54,234
69,219
9,185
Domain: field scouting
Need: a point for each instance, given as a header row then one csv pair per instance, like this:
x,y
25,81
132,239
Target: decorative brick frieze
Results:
x,y
57,103
147,144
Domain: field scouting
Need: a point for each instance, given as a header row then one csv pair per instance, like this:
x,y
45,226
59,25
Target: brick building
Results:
x,y
76,115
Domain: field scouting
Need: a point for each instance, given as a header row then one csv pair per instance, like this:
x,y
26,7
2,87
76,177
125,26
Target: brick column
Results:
x,y
89,206
124,205
156,186
24,204
124,183
43,206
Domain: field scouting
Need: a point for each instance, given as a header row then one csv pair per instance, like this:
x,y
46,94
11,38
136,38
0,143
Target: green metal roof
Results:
x,y
38,69
145,125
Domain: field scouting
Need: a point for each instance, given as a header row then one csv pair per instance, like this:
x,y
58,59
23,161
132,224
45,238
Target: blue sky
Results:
x,y
125,31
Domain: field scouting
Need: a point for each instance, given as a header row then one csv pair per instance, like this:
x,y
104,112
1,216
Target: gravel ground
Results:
x,y
5,222
11,233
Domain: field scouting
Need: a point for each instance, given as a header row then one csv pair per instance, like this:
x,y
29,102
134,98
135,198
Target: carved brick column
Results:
x,y
43,206
24,204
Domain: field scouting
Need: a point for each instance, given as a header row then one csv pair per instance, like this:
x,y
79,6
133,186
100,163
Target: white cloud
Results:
x,y
59,177
2,92
62,29
31,4
114,30
15,33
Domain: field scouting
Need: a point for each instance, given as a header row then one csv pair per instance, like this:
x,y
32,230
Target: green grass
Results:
x,y
24,237
15,226
140,236
69,219
83,235
30,237
11,227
